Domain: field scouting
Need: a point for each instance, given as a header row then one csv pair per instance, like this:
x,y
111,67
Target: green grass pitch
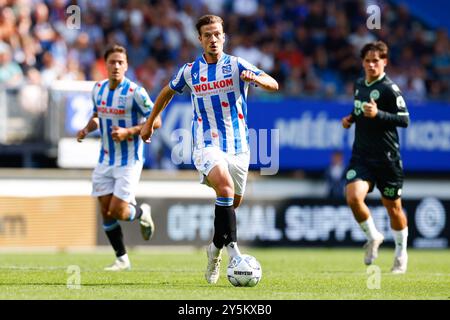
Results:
x,y
288,274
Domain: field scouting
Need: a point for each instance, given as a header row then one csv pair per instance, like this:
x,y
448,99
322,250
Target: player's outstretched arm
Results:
x,y
92,125
154,121
263,80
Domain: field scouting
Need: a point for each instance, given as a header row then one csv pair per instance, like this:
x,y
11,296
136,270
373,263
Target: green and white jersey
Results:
x,y
377,138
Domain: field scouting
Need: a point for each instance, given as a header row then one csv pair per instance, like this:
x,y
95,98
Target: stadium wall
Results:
x,y
53,208
289,222
47,222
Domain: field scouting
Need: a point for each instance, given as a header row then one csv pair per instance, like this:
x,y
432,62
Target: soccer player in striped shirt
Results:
x,y
120,108
218,83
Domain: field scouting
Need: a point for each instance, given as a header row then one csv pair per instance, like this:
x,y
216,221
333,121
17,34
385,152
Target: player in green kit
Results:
x,y
379,109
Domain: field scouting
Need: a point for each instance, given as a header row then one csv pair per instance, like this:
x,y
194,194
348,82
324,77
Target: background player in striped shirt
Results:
x,y
379,109
218,83
119,110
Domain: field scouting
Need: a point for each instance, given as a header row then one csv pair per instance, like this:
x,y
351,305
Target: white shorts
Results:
x,y
119,181
207,158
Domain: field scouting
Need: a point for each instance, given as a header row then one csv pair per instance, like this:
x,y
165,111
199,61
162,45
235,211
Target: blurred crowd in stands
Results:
x,y
310,46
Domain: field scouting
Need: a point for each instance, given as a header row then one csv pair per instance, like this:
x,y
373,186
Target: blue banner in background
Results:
x,y
309,132
78,108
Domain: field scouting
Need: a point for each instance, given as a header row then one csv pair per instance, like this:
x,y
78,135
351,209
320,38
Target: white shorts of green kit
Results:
x,y
207,158
119,181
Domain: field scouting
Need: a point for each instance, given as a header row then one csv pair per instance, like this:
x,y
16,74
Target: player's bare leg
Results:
x,y
220,180
399,226
122,210
114,233
224,222
119,209
237,201
356,193
115,209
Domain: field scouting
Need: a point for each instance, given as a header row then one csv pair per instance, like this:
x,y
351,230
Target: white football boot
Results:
x,y
121,264
146,222
400,264
213,269
371,247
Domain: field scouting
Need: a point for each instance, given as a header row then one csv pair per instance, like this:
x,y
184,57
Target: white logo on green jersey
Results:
x,y
351,174
375,94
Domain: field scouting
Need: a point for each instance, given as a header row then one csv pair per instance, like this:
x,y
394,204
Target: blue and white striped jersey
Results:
x,y
125,106
219,100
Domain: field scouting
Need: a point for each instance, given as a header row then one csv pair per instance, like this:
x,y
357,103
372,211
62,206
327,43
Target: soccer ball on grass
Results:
x,y
244,271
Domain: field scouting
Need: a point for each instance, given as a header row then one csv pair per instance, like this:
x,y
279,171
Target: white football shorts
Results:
x,y
207,158
119,181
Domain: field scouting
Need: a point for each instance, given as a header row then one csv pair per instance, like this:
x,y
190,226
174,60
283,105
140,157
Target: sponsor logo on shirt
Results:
x,y
213,85
114,111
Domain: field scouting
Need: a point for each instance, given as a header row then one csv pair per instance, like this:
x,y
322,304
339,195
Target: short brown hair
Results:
x,y
207,19
113,49
379,46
